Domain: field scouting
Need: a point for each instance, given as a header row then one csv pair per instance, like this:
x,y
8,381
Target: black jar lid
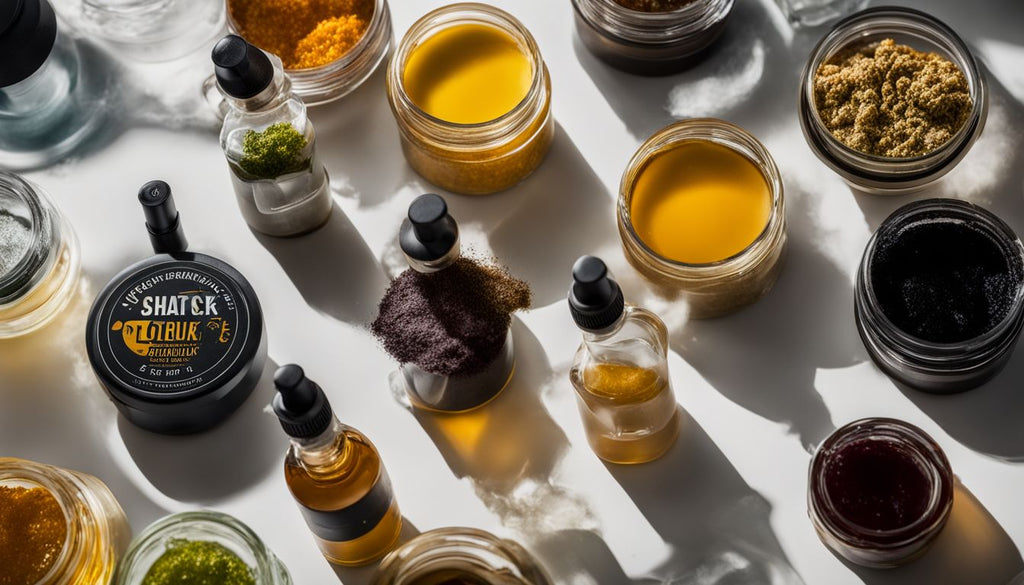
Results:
x,y
28,29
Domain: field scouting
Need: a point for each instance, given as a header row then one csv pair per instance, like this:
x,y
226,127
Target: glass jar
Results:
x,y
888,443
650,43
153,30
462,555
96,532
335,80
801,13
884,175
714,288
928,365
40,264
207,526
473,158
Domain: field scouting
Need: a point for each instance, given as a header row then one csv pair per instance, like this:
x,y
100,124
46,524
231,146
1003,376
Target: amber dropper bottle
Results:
x,y
335,474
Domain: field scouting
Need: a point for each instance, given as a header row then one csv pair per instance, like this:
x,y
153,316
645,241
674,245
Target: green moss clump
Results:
x,y
273,152
198,562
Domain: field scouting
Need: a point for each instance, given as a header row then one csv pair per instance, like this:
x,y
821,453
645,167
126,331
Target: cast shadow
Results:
x,y
727,523
54,411
364,575
973,549
359,142
209,467
732,78
560,213
333,269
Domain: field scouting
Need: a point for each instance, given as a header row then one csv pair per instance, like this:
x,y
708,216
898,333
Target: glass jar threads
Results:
x,y
879,492
460,555
326,54
39,257
650,43
472,99
939,296
60,527
701,215
879,33
206,546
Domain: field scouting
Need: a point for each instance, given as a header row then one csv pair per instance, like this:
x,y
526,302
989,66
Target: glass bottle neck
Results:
x,y
322,452
276,93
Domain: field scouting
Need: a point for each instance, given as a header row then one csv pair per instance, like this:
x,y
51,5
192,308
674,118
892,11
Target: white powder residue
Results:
x,y
15,237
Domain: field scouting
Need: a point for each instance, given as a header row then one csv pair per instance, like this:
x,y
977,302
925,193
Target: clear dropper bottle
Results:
x,y
335,474
280,182
429,238
620,371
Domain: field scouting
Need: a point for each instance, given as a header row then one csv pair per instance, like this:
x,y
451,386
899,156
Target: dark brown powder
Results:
x,y
891,100
654,5
452,322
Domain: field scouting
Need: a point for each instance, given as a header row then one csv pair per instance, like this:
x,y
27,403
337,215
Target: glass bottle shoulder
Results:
x,y
639,338
336,474
238,122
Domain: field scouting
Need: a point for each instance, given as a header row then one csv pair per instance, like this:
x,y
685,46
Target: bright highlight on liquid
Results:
x,y
468,74
699,202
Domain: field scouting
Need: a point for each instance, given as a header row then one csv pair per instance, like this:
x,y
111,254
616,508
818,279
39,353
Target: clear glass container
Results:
x,y
154,30
802,13
650,43
926,365
40,262
48,115
335,80
883,175
890,547
97,530
289,204
460,555
473,158
208,526
714,288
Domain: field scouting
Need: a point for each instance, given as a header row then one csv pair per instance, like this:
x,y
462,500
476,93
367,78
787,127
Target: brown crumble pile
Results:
x,y
654,5
890,100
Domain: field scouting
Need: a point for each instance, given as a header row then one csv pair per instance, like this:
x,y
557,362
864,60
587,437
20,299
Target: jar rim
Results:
x,y
436,20
724,134
926,453
952,209
870,25
37,256
652,29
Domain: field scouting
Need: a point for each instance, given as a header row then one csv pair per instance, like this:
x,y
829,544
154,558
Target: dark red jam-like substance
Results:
x,y
876,484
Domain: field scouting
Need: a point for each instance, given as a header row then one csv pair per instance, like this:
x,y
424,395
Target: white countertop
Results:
x,y
761,387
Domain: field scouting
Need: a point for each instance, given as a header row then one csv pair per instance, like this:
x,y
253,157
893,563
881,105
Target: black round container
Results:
x,y
177,341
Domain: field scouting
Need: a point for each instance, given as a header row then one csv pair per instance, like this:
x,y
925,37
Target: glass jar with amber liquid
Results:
x,y
335,474
620,372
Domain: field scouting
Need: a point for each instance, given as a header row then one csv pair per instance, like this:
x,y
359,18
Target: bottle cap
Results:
x,y
242,69
300,404
28,29
162,219
429,233
595,300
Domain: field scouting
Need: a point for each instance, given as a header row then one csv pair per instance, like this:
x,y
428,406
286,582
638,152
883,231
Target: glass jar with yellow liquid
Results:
x,y
620,371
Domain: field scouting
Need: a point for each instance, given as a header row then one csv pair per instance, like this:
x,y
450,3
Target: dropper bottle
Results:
x,y
620,371
281,184
335,474
429,238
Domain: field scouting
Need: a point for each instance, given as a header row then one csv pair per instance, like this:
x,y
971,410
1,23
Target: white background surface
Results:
x,y
761,387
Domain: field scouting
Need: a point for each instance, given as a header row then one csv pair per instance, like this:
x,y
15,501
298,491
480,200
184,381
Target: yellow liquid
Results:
x,y
699,202
468,74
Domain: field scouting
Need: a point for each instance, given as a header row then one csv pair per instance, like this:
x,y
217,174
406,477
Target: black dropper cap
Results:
x,y
28,29
428,233
300,404
162,220
242,69
595,300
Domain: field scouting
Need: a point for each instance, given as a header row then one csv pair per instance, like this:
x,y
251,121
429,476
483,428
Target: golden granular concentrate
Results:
x,y
32,534
654,5
890,100
303,33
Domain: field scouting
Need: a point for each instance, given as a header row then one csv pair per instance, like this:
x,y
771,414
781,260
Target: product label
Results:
x,y
356,520
174,328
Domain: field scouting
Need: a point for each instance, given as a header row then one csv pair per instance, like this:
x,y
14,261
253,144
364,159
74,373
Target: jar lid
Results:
x,y
177,341
28,29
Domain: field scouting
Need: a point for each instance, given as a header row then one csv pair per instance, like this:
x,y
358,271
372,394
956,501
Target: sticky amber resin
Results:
x,y
468,74
344,483
698,202
33,530
629,413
